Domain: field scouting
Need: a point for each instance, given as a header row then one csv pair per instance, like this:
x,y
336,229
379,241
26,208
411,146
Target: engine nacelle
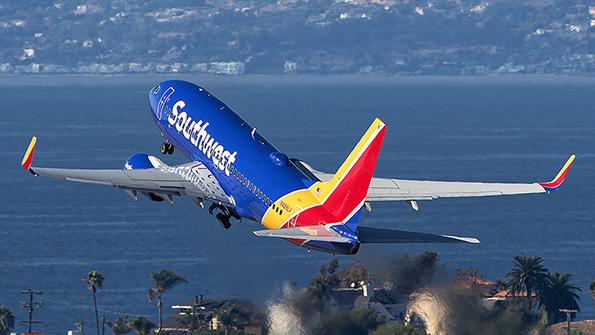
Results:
x,y
144,161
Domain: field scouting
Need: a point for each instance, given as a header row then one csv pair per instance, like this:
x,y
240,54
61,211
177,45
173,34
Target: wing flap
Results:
x,y
428,190
379,235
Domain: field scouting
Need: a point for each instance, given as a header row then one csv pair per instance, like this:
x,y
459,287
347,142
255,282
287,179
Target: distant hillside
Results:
x,y
291,36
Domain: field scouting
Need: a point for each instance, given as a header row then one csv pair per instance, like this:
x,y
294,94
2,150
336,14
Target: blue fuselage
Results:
x,y
204,129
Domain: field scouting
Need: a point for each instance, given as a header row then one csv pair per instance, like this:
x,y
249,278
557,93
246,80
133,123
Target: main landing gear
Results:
x,y
224,215
167,148
223,220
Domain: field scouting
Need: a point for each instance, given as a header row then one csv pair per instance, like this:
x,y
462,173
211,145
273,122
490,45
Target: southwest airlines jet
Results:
x,y
242,175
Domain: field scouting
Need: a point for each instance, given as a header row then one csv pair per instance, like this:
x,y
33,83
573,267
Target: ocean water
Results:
x,y
501,129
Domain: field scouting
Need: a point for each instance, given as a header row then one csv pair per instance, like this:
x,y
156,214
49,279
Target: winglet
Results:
x,y
28,158
555,184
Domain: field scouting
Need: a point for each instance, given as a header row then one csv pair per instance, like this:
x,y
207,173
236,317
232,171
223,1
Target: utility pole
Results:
x,y
568,314
31,306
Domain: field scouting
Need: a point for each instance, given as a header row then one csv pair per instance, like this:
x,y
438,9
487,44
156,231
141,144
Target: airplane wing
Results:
x,y
389,189
191,179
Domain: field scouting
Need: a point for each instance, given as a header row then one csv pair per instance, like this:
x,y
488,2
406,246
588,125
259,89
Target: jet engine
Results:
x,y
144,161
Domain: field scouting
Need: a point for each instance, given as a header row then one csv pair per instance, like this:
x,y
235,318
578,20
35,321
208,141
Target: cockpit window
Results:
x,y
156,89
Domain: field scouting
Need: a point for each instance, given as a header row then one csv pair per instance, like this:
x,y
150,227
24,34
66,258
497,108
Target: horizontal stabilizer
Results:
x,y
314,233
379,235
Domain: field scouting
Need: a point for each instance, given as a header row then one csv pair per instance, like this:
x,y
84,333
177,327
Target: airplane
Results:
x,y
243,176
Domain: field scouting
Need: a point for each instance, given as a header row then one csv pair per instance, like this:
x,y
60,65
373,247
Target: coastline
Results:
x,y
284,79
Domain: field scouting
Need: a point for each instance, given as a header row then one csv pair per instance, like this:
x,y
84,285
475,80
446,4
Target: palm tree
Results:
x,y
95,281
122,326
142,326
559,293
528,275
163,281
6,320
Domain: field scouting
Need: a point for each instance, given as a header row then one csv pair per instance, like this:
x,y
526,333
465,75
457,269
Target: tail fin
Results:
x,y
346,192
28,157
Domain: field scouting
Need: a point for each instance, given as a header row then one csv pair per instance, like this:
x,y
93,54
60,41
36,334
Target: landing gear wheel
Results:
x,y
164,148
170,150
223,220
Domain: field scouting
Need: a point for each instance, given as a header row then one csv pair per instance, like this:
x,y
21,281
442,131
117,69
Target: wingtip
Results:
x,y
28,157
555,183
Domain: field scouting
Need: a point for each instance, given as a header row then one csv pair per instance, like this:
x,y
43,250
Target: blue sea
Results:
x,y
499,129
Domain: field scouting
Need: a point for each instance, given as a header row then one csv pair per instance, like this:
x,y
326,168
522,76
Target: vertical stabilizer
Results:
x,y
345,193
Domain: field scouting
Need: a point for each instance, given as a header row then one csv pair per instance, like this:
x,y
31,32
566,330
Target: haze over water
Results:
x,y
501,129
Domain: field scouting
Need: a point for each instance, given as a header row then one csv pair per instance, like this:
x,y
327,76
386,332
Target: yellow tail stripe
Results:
x,y
322,190
565,167
29,150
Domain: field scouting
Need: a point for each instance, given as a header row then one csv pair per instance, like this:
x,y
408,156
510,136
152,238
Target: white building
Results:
x,y
233,68
28,53
290,67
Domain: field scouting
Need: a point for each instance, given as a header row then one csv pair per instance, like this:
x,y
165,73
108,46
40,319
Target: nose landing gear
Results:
x,y
167,148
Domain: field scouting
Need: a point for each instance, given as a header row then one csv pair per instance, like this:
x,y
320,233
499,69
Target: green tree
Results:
x,y
163,281
355,273
354,322
122,326
321,286
95,281
396,329
408,273
233,315
528,275
6,320
142,326
559,293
